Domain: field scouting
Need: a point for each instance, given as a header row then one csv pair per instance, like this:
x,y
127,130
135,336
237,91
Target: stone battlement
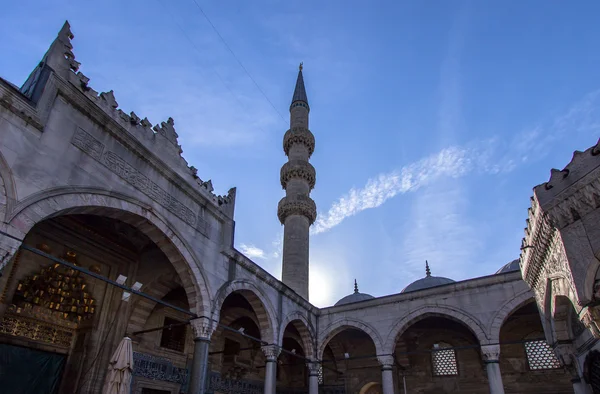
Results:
x,y
582,164
160,139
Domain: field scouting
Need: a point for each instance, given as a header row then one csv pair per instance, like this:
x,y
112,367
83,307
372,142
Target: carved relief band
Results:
x,y
88,144
119,166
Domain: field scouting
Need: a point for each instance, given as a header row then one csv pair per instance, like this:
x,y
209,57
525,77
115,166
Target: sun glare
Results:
x,y
319,290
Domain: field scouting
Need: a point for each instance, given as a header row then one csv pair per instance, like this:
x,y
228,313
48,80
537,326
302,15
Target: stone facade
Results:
x,y
82,180
559,259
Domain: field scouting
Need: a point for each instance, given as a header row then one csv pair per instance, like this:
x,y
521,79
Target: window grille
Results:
x,y
443,359
320,374
173,337
540,355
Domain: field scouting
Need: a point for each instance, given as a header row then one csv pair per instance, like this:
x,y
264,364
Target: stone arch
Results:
x,y
340,325
368,386
8,193
505,311
142,307
471,322
258,300
65,201
306,330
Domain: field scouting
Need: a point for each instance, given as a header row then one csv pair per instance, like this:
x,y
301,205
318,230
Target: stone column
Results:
x,y
9,248
203,329
387,374
313,377
491,358
271,353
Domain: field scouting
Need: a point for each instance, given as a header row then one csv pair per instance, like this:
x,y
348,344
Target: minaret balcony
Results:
x,y
297,205
299,135
298,169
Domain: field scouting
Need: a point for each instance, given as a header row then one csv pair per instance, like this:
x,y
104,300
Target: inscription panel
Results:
x,y
94,148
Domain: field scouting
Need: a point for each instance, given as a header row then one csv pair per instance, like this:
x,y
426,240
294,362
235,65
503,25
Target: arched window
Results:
x,y
443,360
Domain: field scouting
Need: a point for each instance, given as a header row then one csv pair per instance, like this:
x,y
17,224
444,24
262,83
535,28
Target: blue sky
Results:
x,y
433,119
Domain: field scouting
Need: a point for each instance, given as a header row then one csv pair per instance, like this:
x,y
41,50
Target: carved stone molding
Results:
x,y
299,135
313,368
590,318
565,353
298,169
90,145
490,353
271,352
300,205
386,360
202,327
580,203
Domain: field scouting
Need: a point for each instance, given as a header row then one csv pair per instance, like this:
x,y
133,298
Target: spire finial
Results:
x,y
300,66
355,287
427,270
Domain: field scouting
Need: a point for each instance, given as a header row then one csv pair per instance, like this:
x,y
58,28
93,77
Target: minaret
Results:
x,y
297,211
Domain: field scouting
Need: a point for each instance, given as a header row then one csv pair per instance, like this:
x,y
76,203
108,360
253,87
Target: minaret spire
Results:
x,y
427,270
355,287
300,90
297,211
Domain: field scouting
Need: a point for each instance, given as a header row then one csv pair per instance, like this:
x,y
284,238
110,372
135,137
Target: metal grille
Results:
x,y
540,355
320,374
444,361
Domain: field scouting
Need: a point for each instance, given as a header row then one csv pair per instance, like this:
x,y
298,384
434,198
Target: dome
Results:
x,y
509,267
427,282
355,297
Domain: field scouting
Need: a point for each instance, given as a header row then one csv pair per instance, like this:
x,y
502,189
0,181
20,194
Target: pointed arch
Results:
x,y
259,301
505,311
143,307
304,327
471,322
340,325
92,201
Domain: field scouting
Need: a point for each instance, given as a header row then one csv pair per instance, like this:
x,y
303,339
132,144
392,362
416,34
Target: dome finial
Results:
x,y
355,287
427,270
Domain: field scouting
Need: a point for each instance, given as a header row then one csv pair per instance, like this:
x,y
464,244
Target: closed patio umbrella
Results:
x,y
120,367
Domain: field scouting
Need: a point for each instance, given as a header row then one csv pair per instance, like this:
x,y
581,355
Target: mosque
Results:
x,y
106,232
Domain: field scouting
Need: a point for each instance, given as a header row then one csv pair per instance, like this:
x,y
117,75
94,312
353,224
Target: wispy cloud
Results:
x,y
450,162
252,251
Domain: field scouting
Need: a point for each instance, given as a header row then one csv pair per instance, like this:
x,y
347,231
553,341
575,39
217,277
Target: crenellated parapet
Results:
x,y
160,139
574,191
298,169
299,135
556,250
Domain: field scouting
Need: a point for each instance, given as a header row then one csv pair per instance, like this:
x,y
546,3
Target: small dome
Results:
x,y
355,297
427,282
509,267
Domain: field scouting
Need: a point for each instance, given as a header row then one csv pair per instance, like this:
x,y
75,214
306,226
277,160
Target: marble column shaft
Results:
x,y
271,353
198,375
491,357
387,374
313,377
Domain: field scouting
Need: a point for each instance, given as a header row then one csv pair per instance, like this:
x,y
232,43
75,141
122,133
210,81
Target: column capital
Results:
x,y
202,327
313,368
386,361
490,353
271,352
